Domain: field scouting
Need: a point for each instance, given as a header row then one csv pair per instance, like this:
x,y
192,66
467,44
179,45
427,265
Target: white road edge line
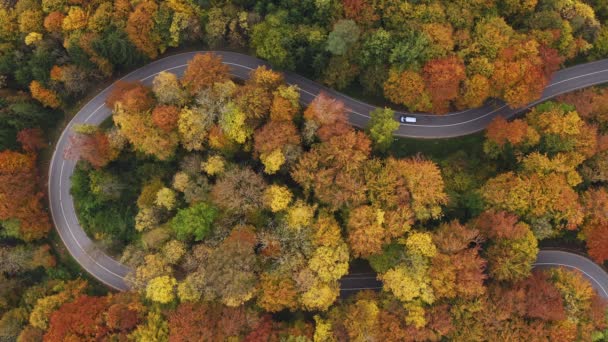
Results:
x,y
575,77
74,236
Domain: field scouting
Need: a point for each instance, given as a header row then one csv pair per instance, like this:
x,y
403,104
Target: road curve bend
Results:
x,y
596,275
112,273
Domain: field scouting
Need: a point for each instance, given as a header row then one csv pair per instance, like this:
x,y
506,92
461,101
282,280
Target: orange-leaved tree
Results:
x,y
19,196
328,116
442,78
141,28
203,70
46,96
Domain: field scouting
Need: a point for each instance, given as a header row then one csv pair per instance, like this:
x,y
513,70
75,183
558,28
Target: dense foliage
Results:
x,y
432,55
232,203
259,207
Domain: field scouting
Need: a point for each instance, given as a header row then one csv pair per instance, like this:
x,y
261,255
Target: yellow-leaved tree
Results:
x,y
300,215
277,197
330,263
214,165
272,161
320,296
421,244
166,198
75,20
406,284
232,123
161,289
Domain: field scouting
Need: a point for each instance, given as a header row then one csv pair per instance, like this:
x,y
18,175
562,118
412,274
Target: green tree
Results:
x,y
216,27
600,46
115,46
410,51
272,40
194,222
344,35
376,47
155,329
381,128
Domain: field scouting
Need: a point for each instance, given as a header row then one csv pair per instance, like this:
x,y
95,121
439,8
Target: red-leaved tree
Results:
x,y
94,148
31,139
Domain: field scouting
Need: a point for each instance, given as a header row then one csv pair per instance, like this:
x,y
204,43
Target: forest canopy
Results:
x,y
240,210
431,56
261,205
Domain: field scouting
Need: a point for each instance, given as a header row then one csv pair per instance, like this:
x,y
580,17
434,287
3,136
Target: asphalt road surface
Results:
x,y
112,273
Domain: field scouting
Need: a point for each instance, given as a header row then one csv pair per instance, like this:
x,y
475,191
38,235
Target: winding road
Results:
x,y
112,273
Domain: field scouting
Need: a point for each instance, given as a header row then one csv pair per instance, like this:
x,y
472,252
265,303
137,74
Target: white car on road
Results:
x,y
407,119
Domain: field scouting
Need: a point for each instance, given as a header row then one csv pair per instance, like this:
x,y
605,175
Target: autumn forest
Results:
x,y
239,207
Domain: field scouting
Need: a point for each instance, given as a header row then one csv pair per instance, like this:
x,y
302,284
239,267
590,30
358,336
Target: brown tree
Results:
x,y
53,21
133,96
122,317
46,96
500,131
256,97
333,170
596,238
277,293
239,191
141,28
595,203
330,116
191,322
387,188
408,88
500,225
360,11
78,320
425,183
543,300
590,103
165,117
285,103
203,70
265,78
254,101
442,78
365,232
454,237
90,318
19,196
31,139
275,135
231,269
522,71
145,136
